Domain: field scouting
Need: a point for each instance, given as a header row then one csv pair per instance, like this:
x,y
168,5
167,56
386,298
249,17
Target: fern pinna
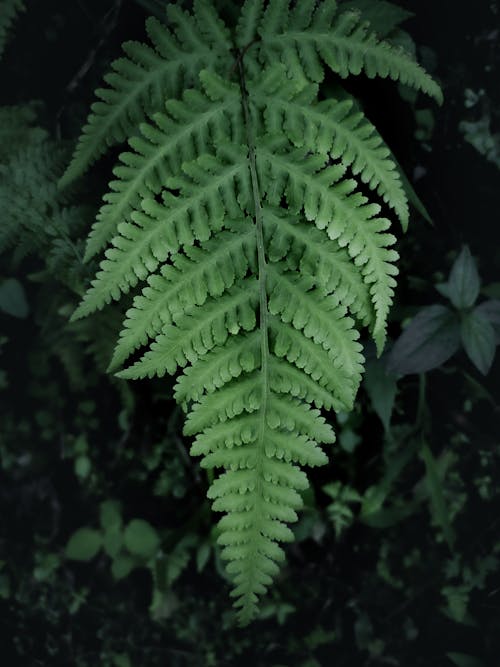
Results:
x,y
242,205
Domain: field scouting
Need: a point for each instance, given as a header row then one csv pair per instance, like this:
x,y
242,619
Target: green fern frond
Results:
x,y
197,332
331,202
37,219
305,249
146,77
189,281
185,131
206,196
249,215
310,37
336,128
9,10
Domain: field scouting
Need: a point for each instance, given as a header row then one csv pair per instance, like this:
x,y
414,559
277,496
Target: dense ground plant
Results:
x,y
253,203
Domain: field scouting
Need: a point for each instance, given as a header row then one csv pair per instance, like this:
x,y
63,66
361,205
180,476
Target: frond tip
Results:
x,y
246,215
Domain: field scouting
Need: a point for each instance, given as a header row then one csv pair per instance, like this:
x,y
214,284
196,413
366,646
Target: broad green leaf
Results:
x,y
491,311
381,388
438,504
430,339
464,282
84,544
141,539
479,341
110,514
13,299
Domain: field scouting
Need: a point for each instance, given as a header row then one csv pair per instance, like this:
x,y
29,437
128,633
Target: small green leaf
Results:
x,y
348,440
83,466
443,289
431,338
202,556
463,660
121,660
141,539
385,518
13,299
381,389
110,514
464,282
122,566
113,540
438,504
479,341
84,544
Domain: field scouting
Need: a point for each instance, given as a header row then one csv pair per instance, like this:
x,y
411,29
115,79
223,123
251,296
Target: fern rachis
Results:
x,y
262,259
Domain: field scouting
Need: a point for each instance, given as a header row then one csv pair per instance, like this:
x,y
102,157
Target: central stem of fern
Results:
x,y
262,264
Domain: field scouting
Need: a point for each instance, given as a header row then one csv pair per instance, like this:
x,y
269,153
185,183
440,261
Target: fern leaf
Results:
x,y
219,366
145,78
189,127
206,194
204,272
347,216
338,129
339,41
197,332
241,211
248,23
304,248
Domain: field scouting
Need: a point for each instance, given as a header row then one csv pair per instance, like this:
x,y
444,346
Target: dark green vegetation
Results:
x,y
110,553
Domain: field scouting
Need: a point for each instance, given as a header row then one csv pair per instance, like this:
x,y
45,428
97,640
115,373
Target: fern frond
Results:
x,y
189,281
306,41
249,213
207,195
144,79
29,200
305,249
335,128
197,332
332,204
187,129
219,366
